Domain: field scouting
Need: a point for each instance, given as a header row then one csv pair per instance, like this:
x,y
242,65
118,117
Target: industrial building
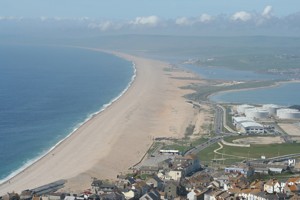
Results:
x,y
252,128
237,121
288,113
241,108
256,113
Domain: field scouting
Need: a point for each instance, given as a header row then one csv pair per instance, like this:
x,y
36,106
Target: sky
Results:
x,y
127,9
187,17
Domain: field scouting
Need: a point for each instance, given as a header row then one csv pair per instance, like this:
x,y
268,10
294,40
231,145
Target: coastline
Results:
x,y
276,84
46,167
90,117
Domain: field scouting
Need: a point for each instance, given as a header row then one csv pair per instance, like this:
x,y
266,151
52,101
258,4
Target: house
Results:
x,y
56,196
129,194
263,168
293,180
141,188
170,190
174,175
197,181
214,194
112,196
152,195
155,182
124,181
187,164
223,180
239,182
149,170
101,187
273,185
195,195
26,195
248,193
242,169
292,185
70,198
94,197
275,170
257,184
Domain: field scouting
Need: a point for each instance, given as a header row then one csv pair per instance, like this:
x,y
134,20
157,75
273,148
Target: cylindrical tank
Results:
x,y
271,108
258,113
241,108
288,114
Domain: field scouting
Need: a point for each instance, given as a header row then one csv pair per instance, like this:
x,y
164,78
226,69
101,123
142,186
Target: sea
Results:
x,y
47,92
285,94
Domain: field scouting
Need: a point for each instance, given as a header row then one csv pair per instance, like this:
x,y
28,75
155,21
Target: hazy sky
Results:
x,y
193,17
127,9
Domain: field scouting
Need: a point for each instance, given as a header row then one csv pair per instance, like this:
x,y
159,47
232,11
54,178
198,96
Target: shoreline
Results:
x,y
90,117
144,111
276,84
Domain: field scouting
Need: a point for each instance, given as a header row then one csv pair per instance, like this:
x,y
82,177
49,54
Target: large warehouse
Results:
x,y
252,128
288,114
237,121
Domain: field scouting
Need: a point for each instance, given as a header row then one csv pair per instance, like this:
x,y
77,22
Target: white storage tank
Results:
x,y
271,108
241,108
256,113
288,113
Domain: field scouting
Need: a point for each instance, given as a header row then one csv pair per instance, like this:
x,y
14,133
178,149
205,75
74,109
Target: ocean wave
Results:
x,y
92,115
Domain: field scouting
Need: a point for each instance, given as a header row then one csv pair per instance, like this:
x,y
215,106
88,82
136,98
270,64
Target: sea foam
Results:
x,y
90,116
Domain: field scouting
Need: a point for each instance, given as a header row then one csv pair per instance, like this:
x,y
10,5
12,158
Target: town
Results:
x,y
165,173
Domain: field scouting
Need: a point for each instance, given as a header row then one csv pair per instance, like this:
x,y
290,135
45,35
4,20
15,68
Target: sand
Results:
x,y
116,139
291,129
260,140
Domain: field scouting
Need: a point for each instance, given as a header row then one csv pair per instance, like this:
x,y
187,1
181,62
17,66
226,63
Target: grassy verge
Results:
x,y
229,117
255,151
203,91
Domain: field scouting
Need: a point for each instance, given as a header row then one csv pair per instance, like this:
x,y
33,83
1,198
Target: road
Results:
x,y
218,122
278,158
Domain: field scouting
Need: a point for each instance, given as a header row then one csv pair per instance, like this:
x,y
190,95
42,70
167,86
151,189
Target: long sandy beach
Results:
x,y
117,138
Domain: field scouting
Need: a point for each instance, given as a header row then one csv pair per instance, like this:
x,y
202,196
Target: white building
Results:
x,y
288,113
241,108
256,113
252,128
237,121
271,108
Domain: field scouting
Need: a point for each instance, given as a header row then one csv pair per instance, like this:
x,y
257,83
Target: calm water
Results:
x,y
46,92
286,94
220,73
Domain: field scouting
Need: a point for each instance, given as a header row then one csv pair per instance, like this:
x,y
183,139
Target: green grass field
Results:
x,y
255,151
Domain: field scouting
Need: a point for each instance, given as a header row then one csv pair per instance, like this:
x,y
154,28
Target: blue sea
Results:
x,y
47,92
